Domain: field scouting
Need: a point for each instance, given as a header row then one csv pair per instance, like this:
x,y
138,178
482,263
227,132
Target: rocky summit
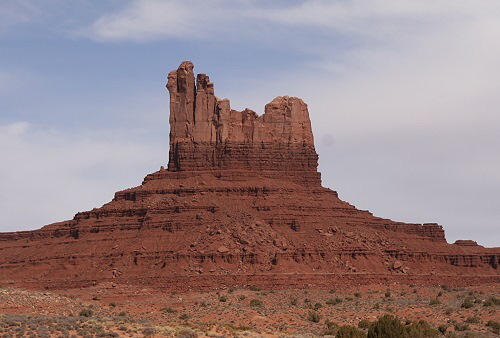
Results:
x,y
240,203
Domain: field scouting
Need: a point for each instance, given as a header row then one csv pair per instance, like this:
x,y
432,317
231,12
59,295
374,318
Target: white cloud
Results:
x,y
49,175
145,20
14,12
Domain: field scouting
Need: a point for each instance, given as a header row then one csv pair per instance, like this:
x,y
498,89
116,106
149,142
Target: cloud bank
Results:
x,y
49,175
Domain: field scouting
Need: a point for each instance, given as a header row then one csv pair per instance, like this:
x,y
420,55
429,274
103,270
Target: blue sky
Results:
x,y
403,97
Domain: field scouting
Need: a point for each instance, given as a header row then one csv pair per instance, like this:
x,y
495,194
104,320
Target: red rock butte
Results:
x,y
240,203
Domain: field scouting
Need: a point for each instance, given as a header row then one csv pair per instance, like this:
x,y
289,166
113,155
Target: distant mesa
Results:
x,y
240,203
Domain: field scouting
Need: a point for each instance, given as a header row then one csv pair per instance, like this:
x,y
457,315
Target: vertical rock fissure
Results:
x,y
205,133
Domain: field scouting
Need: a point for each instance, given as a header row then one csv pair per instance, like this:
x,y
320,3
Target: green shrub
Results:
x,y
434,301
461,327
387,326
168,309
495,326
421,329
387,294
473,320
331,291
149,331
442,328
357,295
86,313
254,288
491,301
223,299
329,324
184,316
186,333
256,303
331,328
364,324
348,331
467,303
294,301
445,288
317,306
314,317
334,301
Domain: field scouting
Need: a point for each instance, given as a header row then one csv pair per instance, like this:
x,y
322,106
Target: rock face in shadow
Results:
x,y
240,202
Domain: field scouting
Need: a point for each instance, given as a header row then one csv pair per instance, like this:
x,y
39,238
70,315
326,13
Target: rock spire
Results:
x,y
206,133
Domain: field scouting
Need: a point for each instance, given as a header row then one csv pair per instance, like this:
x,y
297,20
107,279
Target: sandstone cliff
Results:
x,y
240,202
206,134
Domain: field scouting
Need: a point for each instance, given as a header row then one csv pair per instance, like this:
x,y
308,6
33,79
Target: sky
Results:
x,y
403,96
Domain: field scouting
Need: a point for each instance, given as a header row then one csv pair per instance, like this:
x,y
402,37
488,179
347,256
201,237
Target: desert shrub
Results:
x,y
168,309
329,324
440,293
112,304
108,334
254,288
242,297
294,301
223,299
364,324
461,327
314,317
348,331
495,326
184,316
387,326
387,294
434,301
317,306
149,331
334,301
473,320
122,314
448,311
86,313
442,328
256,303
445,288
467,303
421,329
231,289
357,295
186,334
470,335
331,291
492,301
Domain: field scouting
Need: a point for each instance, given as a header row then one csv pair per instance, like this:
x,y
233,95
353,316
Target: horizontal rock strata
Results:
x,y
240,202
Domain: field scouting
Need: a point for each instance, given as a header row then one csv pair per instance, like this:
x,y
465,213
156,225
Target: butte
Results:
x,y
240,203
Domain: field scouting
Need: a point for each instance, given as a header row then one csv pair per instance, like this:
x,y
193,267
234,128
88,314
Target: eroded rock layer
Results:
x,y
241,202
